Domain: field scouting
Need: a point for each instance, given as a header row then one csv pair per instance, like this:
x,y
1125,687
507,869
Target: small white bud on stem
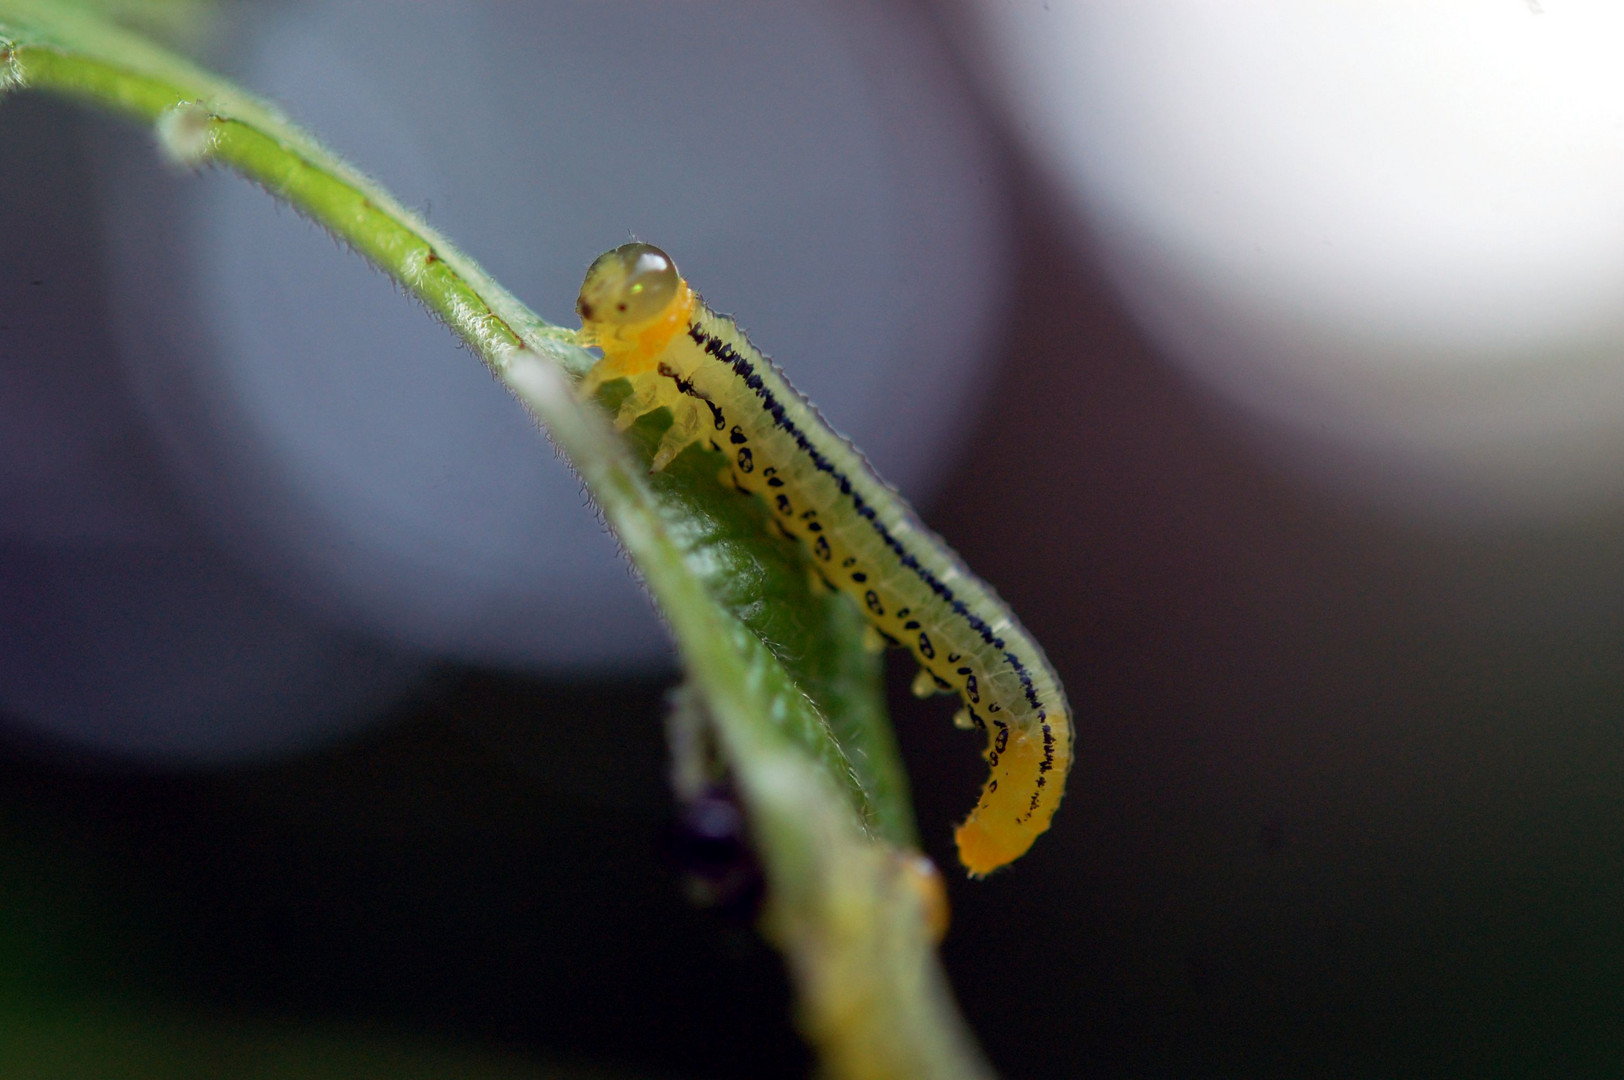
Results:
x,y
186,134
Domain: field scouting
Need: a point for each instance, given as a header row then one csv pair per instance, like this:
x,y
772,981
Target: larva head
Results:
x,y
635,283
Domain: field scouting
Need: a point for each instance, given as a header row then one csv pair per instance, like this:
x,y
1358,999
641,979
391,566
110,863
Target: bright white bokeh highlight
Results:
x,y
1393,233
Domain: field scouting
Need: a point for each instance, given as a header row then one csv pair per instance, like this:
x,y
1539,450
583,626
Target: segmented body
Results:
x,y
863,539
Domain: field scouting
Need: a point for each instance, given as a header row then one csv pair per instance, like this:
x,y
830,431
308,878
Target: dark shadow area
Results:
x,y
488,869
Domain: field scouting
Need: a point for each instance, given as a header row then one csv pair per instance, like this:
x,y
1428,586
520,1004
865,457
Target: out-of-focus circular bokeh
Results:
x,y
1391,235
123,630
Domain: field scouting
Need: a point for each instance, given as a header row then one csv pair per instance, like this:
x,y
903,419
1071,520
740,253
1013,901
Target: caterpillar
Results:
x,y
863,539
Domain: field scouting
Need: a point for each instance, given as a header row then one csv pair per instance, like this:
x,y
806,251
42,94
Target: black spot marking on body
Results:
x,y
746,460
684,386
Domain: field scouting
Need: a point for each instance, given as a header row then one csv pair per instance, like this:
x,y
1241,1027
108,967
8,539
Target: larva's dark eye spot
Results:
x,y
631,284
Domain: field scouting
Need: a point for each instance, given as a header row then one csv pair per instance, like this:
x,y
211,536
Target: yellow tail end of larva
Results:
x,y
1005,820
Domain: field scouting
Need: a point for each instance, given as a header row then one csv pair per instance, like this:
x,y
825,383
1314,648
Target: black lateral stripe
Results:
x,y
742,367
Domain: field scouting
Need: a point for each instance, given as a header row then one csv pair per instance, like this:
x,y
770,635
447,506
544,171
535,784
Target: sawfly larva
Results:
x,y
863,538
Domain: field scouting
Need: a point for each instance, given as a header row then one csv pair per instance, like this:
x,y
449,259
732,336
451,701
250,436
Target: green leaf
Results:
x,y
767,583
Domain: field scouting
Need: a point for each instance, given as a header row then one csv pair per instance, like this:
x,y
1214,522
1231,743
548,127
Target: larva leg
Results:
x,y
605,370
640,401
588,386
684,429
